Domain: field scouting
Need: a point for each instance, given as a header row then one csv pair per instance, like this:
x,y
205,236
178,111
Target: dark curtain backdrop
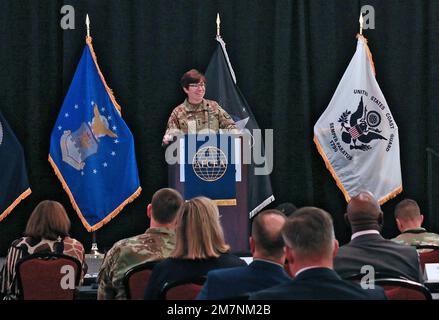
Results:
x,y
288,56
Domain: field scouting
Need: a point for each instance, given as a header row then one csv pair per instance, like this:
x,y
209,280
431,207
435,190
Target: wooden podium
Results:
x,y
234,214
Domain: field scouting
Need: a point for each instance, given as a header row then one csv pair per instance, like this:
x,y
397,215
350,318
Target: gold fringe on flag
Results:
x,y
329,167
110,216
9,209
384,199
391,195
109,91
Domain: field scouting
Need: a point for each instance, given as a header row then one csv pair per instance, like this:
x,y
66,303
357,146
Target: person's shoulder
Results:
x,y
74,243
71,240
179,108
145,244
400,246
232,259
212,104
430,236
168,262
345,249
399,238
18,242
134,240
276,292
227,272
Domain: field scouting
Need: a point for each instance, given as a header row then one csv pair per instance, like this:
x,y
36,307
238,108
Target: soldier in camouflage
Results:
x,y
196,114
409,220
157,243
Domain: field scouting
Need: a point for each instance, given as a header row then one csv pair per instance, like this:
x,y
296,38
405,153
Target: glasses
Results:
x,y
197,85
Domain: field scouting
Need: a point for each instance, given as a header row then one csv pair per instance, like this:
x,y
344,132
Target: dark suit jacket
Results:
x,y
233,282
384,255
319,284
172,269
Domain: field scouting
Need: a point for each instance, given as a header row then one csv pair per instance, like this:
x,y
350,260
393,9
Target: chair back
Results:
x,y
396,287
136,279
402,289
187,289
428,254
48,276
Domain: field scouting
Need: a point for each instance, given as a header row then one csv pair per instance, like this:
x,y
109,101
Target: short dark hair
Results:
x,y
407,209
165,204
49,220
309,232
267,238
192,76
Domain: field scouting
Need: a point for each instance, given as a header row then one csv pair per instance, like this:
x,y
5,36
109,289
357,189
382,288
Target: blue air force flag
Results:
x,y
357,135
14,185
221,87
92,149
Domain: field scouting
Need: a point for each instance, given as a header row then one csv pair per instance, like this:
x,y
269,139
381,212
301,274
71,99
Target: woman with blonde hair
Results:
x,y
200,247
47,230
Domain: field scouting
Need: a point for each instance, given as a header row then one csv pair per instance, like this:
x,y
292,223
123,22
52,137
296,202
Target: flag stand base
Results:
x,y
94,251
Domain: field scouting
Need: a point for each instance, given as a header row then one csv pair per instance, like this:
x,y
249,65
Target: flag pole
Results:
x,y
87,23
218,22
361,23
94,251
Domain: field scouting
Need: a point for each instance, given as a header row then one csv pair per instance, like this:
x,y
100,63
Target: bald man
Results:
x,y
266,270
310,246
368,248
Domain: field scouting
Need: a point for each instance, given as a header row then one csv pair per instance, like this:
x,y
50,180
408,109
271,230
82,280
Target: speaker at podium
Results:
x,y
211,165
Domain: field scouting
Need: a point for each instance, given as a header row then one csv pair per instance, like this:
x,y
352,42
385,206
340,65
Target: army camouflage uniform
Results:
x,y
154,244
189,118
418,236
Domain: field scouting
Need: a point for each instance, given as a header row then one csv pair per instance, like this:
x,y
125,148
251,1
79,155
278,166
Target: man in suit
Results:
x,y
266,270
310,246
368,248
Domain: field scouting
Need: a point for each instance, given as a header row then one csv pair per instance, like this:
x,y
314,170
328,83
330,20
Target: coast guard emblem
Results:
x,y
362,129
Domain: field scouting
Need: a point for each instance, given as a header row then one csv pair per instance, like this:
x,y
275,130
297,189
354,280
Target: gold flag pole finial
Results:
x,y
361,23
87,23
218,22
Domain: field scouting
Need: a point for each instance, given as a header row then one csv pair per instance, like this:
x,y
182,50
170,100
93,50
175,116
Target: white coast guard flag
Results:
x,y
357,136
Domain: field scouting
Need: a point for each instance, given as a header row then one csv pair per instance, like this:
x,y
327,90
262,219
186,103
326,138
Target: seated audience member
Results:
x,y
368,247
287,208
409,221
47,230
310,246
200,247
157,243
266,270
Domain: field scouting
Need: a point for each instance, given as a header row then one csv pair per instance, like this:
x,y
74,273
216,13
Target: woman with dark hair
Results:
x,y
196,114
200,247
47,230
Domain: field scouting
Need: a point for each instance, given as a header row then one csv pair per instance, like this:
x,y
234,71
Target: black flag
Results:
x,y
14,185
221,87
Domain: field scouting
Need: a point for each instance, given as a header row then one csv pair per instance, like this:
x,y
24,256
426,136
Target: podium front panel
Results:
x,y
234,214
